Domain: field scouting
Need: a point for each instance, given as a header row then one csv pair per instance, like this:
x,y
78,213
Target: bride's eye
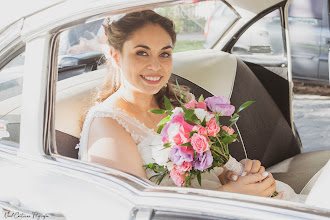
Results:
x,y
165,55
141,53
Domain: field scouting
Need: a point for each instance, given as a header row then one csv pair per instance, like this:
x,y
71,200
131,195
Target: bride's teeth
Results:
x,y
151,78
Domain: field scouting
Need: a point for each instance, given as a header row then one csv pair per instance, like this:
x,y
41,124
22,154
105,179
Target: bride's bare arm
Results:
x,y
109,144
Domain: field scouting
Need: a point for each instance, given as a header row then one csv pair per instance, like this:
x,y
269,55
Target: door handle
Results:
x,y
14,208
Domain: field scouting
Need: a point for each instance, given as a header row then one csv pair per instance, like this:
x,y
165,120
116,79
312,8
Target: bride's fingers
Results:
x,y
247,166
254,178
231,176
256,165
279,196
262,169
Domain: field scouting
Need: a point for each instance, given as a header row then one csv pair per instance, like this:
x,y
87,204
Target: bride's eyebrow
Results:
x,y
148,48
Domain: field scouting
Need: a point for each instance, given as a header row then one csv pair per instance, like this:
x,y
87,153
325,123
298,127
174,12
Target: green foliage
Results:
x,y
201,98
160,128
168,105
164,120
157,111
245,105
199,178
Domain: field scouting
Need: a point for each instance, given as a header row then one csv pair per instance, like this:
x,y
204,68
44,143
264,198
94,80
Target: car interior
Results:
x,y
265,133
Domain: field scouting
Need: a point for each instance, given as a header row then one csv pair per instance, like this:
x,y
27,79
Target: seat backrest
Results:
x,y
266,134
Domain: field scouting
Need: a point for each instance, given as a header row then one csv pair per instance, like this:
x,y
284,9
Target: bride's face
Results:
x,y
146,59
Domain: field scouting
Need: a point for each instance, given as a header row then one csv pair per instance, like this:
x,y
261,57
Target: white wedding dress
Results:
x,y
148,140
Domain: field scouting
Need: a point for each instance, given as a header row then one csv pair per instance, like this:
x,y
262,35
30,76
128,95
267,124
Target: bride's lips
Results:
x,y
151,79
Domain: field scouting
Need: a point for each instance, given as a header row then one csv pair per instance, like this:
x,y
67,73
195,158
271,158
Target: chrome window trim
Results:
x,y
11,148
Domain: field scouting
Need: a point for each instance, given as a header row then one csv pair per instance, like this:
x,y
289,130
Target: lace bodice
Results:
x,y
146,140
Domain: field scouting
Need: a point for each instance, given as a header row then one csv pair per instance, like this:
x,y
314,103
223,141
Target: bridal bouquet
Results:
x,y
194,141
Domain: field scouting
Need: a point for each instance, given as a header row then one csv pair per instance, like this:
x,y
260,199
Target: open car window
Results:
x,y
11,84
263,41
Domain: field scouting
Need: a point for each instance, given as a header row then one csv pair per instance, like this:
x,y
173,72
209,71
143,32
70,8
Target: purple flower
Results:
x,y
203,160
220,104
178,154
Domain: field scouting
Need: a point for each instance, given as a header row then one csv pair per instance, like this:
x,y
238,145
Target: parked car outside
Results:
x,y
309,37
43,93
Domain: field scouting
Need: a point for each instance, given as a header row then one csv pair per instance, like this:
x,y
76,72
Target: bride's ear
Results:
x,y
115,56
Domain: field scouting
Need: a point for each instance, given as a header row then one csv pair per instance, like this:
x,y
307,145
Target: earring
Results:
x,y
165,85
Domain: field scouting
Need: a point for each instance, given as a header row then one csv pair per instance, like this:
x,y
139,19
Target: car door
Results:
x,y
34,185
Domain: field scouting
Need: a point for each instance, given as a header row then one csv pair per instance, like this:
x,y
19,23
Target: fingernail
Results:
x,y
243,174
265,174
234,177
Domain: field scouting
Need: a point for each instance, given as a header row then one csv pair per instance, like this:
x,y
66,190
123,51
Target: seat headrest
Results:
x,y
214,71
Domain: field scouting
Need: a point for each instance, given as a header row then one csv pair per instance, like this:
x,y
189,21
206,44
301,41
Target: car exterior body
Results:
x,y
40,182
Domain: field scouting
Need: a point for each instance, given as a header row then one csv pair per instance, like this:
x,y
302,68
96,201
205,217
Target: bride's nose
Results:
x,y
154,64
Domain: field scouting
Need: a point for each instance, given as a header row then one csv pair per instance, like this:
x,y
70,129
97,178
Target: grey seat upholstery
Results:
x,y
298,170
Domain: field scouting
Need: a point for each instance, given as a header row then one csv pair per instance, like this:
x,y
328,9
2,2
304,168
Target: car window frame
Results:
x,y
8,146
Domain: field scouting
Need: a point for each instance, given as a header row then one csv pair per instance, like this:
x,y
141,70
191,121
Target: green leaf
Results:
x,y
233,121
217,119
157,111
164,120
160,128
199,178
186,144
167,145
228,140
189,114
182,95
204,122
192,133
151,165
183,108
234,116
168,105
245,105
201,98
195,119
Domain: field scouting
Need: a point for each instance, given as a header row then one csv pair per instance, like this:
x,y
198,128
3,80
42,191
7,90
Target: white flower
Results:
x,y
170,166
160,155
172,131
200,113
209,116
176,111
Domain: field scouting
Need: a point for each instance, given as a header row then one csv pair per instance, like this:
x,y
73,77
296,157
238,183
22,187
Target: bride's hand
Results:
x,y
259,184
250,167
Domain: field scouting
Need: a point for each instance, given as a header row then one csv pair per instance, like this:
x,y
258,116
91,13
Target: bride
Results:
x,y
118,130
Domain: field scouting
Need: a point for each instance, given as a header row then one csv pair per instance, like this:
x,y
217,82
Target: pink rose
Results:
x,y
199,143
230,131
212,128
190,105
200,129
177,176
201,105
177,130
186,166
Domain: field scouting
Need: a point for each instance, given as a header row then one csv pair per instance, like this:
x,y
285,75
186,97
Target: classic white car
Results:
x,y
44,90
